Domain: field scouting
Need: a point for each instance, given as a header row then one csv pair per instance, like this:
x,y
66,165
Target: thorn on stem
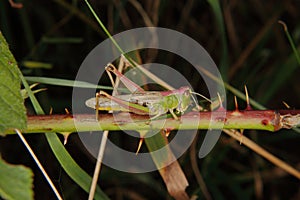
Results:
x,y
247,99
221,107
139,146
167,132
67,111
50,111
236,104
66,136
286,105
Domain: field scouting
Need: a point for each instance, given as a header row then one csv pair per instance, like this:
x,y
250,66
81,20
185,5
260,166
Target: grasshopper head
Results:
x,y
184,94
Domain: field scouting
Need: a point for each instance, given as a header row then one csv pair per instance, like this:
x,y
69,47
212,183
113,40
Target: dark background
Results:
x,y
257,54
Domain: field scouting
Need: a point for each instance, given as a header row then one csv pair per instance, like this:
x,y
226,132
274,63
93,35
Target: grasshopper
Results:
x,y
153,103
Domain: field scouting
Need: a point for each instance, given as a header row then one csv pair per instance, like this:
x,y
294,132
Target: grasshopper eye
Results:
x,y
186,93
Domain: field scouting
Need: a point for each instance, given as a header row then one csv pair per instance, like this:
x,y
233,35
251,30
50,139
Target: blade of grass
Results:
x,y
64,158
103,27
281,76
284,71
288,35
215,5
65,82
130,60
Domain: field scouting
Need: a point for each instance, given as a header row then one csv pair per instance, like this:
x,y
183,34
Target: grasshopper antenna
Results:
x,y
204,97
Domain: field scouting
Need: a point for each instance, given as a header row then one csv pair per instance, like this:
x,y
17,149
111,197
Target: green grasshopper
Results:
x,y
153,103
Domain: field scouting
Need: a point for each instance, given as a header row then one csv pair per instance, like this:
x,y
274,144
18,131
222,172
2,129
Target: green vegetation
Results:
x,y
245,40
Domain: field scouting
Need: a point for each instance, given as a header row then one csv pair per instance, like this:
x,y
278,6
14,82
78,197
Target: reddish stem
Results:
x,y
254,119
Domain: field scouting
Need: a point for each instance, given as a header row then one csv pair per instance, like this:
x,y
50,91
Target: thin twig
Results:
x,y
36,160
248,50
80,15
142,12
259,150
98,165
115,85
197,172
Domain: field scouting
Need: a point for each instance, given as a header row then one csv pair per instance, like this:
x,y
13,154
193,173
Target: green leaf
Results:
x,y
16,181
12,109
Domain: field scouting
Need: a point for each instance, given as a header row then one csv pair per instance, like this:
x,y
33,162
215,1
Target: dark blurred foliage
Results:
x,y
257,54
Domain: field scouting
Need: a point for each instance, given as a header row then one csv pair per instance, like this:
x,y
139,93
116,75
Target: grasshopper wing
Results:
x,y
145,99
107,104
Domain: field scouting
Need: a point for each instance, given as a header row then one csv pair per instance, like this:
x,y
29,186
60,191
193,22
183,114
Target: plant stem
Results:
x,y
269,120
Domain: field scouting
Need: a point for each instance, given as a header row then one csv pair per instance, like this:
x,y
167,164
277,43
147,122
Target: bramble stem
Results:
x,y
269,120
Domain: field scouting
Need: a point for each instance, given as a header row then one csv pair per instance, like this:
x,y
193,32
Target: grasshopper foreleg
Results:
x,y
173,114
97,105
